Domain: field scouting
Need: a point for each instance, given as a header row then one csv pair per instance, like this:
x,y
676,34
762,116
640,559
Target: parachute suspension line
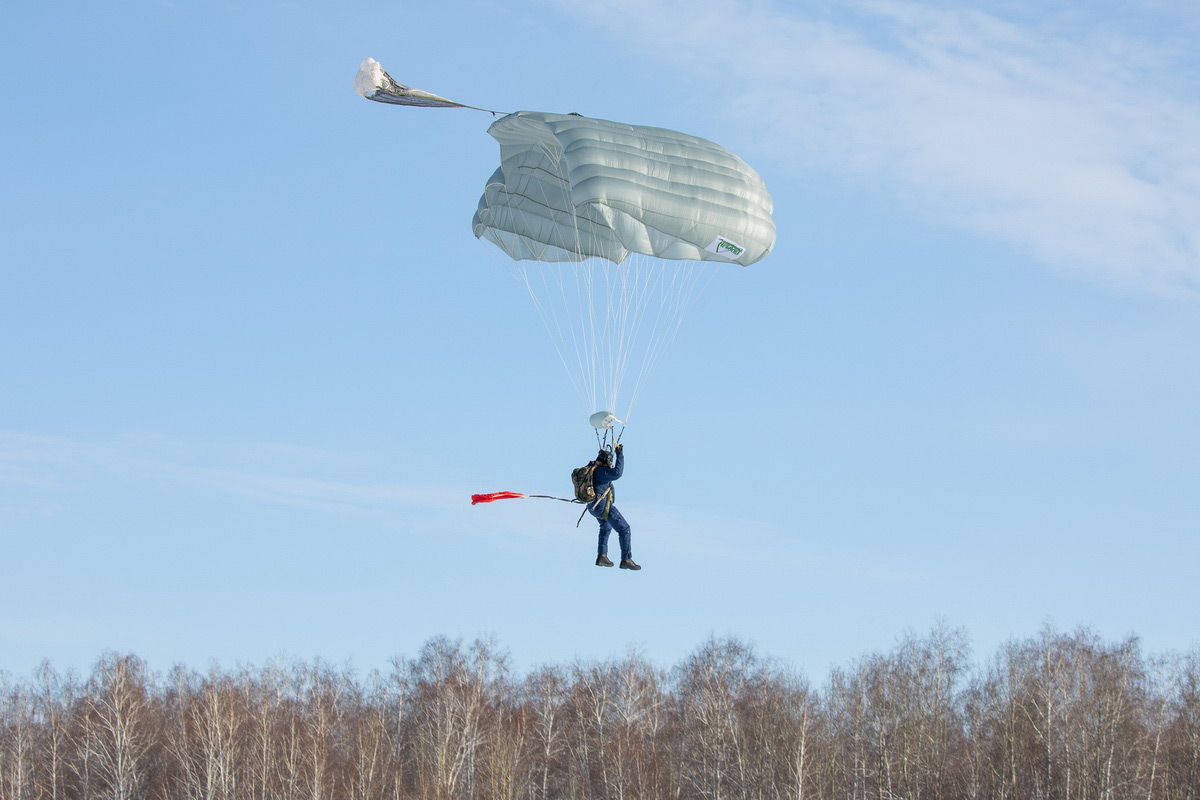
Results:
x,y
557,306
636,292
594,327
553,325
584,295
602,317
650,283
584,291
631,305
583,338
615,328
629,288
655,286
646,301
688,281
603,300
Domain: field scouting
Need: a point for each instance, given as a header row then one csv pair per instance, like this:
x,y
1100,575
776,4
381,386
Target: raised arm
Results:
x,y
619,467
605,475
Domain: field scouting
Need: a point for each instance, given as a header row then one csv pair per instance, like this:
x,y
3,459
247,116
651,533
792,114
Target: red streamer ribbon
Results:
x,y
488,498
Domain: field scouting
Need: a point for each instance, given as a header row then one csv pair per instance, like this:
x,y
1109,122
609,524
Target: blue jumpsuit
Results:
x,y
606,512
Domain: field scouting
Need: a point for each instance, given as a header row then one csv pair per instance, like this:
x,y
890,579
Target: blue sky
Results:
x,y
254,362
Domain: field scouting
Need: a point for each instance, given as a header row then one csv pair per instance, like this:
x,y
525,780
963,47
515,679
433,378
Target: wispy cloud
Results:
x,y
39,475
281,475
1070,136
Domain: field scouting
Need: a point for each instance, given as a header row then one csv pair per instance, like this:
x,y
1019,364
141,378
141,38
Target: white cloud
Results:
x,y
42,475
1058,132
280,475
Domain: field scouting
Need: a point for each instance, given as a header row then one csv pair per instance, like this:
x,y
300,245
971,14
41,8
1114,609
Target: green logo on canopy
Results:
x,y
725,248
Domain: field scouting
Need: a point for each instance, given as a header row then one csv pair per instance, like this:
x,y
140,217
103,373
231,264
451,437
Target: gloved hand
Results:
x,y
620,446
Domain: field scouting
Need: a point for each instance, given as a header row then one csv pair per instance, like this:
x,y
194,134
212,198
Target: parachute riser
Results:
x,y
603,423
609,440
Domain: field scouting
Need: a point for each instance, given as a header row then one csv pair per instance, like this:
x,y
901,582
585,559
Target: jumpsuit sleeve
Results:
x,y
620,465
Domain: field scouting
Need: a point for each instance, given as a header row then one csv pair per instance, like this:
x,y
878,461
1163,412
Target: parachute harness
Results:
x,y
608,442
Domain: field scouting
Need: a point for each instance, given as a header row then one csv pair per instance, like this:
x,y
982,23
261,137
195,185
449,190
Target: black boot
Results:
x,y
627,563
602,561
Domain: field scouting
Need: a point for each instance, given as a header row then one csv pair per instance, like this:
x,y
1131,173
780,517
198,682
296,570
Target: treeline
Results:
x,y
1059,716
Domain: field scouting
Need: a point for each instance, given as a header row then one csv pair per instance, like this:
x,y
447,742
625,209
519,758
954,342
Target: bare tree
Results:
x,y
635,712
711,684
208,734
118,723
373,769
17,741
588,738
450,697
1184,731
54,697
1052,717
545,695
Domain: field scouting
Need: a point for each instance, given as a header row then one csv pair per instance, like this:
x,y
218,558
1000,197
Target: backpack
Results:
x,y
585,489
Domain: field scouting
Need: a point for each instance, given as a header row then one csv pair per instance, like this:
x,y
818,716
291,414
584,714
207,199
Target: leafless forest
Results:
x,y
1053,716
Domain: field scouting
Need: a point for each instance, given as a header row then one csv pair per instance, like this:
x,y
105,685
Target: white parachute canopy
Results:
x,y
647,210
569,187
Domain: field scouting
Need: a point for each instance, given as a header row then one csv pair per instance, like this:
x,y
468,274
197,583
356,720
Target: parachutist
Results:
x,y
603,509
